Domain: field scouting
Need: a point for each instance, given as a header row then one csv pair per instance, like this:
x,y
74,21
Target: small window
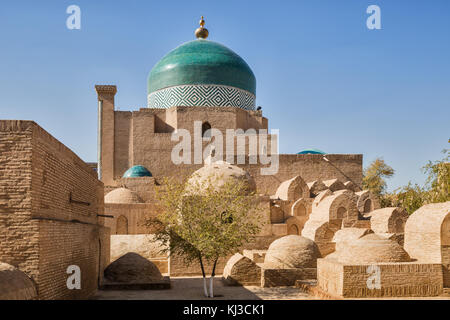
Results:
x,y
206,130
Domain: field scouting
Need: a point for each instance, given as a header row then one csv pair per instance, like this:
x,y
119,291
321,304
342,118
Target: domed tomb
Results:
x,y
371,248
217,175
14,284
122,195
292,251
133,268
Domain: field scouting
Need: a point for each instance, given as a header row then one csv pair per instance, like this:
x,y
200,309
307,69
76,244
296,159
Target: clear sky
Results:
x,y
323,78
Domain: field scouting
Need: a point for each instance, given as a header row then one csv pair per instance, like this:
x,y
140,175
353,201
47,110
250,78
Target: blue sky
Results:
x,y
323,78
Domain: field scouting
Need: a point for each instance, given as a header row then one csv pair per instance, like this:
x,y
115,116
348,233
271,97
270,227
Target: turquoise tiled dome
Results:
x,y
201,73
202,62
311,151
136,172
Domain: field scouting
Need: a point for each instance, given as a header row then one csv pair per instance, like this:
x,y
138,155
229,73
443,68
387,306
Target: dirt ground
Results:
x,y
192,289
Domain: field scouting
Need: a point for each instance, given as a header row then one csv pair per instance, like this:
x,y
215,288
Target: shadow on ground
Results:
x,y
192,289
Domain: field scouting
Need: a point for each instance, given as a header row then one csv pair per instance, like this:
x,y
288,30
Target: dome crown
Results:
x,y
292,251
201,62
216,175
122,195
371,248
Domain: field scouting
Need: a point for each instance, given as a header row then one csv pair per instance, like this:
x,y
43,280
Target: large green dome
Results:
x,y
218,76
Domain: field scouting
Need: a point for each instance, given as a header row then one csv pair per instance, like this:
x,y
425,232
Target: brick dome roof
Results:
x,y
292,252
122,195
371,248
218,174
14,284
132,268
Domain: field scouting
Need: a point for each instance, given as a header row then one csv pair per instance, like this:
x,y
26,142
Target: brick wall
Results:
x,y
62,244
144,137
49,201
136,215
404,279
57,175
178,267
19,238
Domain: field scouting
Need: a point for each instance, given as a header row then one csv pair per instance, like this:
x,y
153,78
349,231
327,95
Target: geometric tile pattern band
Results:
x,y
202,95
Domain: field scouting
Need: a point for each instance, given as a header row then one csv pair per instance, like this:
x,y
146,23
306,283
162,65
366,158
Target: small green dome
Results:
x,y
201,62
311,151
136,172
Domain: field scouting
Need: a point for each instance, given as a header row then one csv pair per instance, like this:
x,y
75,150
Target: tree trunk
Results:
x,y
204,276
211,280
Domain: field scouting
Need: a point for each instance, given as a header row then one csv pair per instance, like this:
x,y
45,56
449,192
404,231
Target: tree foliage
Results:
x,y
412,196
374,177
438,180
201,221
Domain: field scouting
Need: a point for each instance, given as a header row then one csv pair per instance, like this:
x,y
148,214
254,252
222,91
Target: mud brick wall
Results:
x,y
285,277
144,137
19,234
62,244
330,277
136,216
57,175
42,231
177,266
404,279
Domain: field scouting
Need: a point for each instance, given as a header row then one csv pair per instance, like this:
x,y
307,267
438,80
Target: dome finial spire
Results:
x,y
202,32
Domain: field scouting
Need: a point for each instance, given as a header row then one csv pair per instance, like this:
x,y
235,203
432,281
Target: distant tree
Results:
x,y
374,178
410,197
203,222
438,179
436,189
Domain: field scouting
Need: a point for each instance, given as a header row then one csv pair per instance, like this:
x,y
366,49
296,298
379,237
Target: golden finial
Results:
x,y
202,32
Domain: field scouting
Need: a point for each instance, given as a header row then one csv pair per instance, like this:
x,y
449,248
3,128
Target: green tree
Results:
x,y
410,197
436,189
203,222
438,179
374,178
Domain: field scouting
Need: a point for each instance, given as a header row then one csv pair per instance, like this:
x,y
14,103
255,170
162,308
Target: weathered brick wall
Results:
x,y
136,215
105,252
57,175
310,167
427,232
153,151
397,279
122,130
18,232
42,230
106,96
179,268
62,244
330,277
